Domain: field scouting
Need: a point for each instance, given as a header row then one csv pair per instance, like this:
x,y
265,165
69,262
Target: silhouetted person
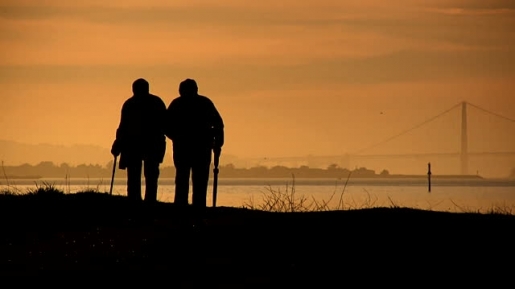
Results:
x,y
141,141
195,127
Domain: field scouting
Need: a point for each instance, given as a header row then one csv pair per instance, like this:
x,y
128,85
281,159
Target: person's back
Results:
x,y
195,128
192,119
142,124
141,140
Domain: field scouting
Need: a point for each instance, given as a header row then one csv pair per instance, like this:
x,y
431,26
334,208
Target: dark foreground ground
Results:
x,y
244,248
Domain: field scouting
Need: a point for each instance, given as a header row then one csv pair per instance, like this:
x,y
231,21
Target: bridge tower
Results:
x,y
464,139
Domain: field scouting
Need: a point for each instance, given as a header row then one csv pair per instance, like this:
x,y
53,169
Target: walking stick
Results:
x,y
217,152
112,176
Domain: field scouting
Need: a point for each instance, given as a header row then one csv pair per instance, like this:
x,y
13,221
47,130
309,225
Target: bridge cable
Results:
x,y
492,113
409,130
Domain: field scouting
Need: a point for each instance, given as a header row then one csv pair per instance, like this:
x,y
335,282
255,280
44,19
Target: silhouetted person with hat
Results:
x,y
196,128
141,141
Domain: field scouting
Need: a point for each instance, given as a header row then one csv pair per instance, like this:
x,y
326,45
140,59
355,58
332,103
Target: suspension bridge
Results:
x,y
463,153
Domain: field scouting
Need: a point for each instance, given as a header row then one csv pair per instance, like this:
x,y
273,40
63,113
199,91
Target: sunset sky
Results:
x,y
289,77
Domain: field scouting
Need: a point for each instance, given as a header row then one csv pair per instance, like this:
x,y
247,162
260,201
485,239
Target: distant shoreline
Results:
x,y
405,180
23,177
465,177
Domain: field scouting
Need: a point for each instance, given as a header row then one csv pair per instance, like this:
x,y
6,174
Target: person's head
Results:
x,y
188,87
140,87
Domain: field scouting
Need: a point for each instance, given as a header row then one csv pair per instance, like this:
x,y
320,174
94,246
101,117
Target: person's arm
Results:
x,y
116,148
169,126
162,130
218,127
162,115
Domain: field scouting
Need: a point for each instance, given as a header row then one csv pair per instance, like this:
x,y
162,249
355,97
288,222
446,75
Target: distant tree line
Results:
x,y
50,170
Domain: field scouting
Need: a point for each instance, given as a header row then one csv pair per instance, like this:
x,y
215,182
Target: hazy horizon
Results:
x,y
290,78
75,155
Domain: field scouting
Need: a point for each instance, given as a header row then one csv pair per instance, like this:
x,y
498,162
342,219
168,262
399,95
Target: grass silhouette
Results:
x,y
273,200
286,241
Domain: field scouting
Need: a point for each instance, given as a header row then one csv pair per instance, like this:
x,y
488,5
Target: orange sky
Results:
x,y
289,77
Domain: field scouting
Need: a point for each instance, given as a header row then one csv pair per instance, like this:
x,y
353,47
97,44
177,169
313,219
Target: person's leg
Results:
x,y
134,180
200,177
182,175
182,185
151,172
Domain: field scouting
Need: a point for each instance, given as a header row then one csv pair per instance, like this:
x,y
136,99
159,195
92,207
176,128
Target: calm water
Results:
x,y
445,195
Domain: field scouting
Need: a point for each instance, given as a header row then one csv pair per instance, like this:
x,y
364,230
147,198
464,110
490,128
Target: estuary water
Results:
x,y
472,195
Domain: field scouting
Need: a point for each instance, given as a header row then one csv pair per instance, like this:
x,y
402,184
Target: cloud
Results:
x,y
218,14
287,32
405,66
472,7
94,44
179,35
473,4
300,40
473,12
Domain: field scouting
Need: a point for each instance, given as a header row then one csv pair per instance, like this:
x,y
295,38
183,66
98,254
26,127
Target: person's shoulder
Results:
x,y
157,99
175,102
177,99
128,102
205,99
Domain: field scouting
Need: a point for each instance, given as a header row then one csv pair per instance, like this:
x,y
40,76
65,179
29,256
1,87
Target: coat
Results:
x,y
141,134
192,121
